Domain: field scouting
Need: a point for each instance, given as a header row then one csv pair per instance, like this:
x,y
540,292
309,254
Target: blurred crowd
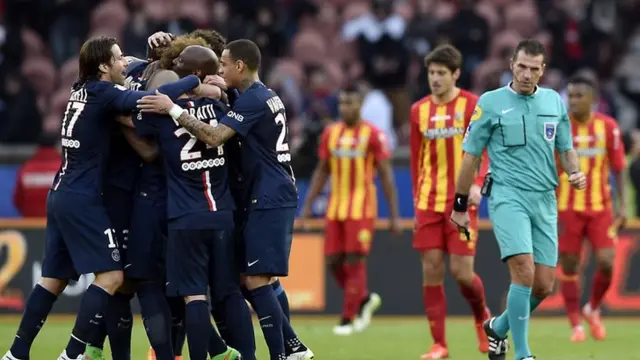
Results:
x,y
313,47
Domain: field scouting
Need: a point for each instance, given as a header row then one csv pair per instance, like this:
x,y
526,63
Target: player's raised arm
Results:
x,y
126,100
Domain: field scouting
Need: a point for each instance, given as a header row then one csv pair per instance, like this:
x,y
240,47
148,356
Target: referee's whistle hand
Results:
x,y
578,180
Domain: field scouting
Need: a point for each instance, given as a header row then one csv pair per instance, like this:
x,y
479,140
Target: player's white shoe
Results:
x,y
301,355
345,328
9,356
369,307
64,356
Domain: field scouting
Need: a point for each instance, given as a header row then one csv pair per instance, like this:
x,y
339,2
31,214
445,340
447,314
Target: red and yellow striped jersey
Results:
x,y
352,153
599,146
437,131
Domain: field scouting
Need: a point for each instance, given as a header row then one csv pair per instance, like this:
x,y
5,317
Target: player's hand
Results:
x,y
394,226
578,180
461,221
216,80
158,103
621,216
475,195
160,38
305,215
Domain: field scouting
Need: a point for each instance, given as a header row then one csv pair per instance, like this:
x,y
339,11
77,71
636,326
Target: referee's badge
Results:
x,y
550,131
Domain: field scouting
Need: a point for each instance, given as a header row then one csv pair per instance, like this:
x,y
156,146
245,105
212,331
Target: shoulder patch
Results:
x,y
477,113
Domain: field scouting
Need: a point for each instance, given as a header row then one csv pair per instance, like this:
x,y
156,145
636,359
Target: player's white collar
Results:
x,y
513,91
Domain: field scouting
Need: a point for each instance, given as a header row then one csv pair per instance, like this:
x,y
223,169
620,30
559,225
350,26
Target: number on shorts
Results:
x,y
112,239
281,145
71,115
186,153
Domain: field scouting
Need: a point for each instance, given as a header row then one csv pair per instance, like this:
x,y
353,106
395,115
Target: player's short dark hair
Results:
x,y
446,55
530,47
581,80
214,39
351,89
94,52
246,51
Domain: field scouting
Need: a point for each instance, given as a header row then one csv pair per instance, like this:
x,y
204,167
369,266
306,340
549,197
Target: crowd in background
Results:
x,y
313,47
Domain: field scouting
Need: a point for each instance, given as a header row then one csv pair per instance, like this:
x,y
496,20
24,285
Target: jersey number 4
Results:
x,y
71,115
281,145
186,153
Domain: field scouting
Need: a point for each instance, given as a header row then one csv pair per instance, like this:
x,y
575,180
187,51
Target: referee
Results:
x,y
521,125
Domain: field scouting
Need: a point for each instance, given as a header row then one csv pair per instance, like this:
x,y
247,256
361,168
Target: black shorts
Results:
x,y
147,239
79,238
267,236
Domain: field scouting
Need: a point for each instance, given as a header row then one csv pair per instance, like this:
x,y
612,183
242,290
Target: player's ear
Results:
x,y
103,68
456,74
239,65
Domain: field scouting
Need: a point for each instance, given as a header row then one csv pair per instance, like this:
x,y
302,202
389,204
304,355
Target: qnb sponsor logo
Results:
x,y
284,157
235,115
203,164
70,143
443,133
348,153
590,152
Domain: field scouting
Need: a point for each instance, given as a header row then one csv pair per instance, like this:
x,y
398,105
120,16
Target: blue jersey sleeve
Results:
x,y
123,100
245,113
144,125
479,129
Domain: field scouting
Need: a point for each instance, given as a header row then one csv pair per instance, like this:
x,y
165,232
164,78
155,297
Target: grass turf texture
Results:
x,y
390,338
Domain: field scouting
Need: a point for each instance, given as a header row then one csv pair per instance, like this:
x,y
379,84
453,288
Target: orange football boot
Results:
x,y
437,351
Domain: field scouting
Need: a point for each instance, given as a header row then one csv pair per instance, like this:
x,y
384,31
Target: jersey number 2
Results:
x,y
186,153
281,145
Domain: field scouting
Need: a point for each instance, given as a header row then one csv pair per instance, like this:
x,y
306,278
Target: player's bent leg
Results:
x,y
570,289
37,308
360,303
156,318
435,303
472,289
599,287
202,338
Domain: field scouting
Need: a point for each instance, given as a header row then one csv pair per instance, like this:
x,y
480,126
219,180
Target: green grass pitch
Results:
x,y
387,338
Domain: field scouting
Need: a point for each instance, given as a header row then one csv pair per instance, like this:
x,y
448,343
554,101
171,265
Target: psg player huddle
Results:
x,y
175,186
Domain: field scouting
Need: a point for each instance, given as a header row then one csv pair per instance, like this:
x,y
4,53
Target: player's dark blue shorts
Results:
x,y
118,202
201,258
268,234
239,219
79,238
147,239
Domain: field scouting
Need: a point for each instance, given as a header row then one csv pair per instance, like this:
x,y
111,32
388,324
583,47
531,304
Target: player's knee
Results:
x,y
569,264
432,269
54,286
334,262
255,281
110,281
462,269
155,327
604,260
522,269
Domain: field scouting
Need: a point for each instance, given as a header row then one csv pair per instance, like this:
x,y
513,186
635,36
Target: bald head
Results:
x,y
196,59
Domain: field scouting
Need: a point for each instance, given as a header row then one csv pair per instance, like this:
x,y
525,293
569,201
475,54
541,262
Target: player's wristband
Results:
x,y
175,112
460,203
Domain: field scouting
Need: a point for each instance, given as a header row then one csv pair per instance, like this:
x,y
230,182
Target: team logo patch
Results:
x,y
364,237
477,113
549,131
115,255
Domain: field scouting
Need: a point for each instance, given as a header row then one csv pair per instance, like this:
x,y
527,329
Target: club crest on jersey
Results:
x,y
477,113
115,255
549,131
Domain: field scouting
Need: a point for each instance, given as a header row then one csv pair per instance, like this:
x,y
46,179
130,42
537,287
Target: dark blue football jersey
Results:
x,y
197,174
86,126
258,116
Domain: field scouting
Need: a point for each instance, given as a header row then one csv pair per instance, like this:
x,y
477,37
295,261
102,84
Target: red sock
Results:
x,y
355,288
601,282
435,305
571,295
339,274
475,297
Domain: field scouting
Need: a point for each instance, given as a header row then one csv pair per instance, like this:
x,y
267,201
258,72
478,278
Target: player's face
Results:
x,y
229,70
527,71
441,79
117,70
350,104
580,98
181,65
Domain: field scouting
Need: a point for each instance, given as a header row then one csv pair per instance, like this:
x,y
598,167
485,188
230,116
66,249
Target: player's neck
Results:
x,y
248,81
353,124
581,118
447,96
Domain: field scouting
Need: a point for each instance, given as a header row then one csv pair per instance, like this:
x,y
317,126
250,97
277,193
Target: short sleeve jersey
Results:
x,y
196,174
521,133
258,116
